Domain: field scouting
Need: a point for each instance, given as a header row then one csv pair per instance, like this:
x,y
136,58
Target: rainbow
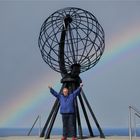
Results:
x,y
124,42
120,45
27,100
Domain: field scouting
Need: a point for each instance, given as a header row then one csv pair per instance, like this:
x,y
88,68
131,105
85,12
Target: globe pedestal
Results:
x,y
72,82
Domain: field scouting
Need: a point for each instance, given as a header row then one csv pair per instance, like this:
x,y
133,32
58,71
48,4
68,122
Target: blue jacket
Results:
x,y
66,102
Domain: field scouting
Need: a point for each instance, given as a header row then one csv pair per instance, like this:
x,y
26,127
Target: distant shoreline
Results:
x,y
4,132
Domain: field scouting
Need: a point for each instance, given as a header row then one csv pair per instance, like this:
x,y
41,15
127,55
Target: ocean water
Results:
x,y
57,131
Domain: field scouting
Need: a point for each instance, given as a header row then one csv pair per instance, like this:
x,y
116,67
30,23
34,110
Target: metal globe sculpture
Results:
x,y
71,41
83,40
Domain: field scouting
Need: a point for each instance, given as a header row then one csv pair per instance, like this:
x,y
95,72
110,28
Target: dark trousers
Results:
x,y
69,125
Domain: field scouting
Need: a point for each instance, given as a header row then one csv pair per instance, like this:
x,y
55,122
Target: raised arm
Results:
x,y
78,90
54,93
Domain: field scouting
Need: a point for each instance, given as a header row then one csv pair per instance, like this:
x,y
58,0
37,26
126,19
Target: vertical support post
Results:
x,y
78,120
135,127
39,125
49,118
93,116
86,116
130,124
47,136
77,114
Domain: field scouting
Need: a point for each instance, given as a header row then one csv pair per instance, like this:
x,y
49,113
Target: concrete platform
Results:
x,y
59,138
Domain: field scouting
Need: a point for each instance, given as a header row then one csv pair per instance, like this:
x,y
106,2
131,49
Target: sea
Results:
x,y
4,132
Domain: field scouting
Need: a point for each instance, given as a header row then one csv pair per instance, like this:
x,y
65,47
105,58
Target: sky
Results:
x,y
111,86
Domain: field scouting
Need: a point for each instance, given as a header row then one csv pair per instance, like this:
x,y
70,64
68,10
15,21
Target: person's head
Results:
x,y
65,91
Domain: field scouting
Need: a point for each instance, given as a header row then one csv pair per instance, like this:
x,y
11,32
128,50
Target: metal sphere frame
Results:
x,y
83,42
71,41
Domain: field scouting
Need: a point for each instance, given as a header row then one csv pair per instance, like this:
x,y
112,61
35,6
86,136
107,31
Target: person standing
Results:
x,y
67,110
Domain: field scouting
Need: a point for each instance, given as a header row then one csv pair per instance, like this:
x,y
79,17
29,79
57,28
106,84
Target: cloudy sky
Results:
x,y
111,86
